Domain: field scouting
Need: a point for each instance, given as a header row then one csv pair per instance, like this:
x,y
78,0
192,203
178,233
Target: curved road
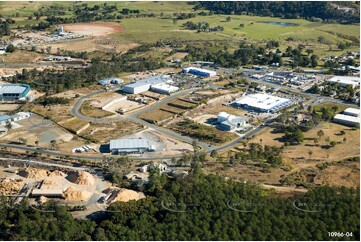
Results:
x,y
134,116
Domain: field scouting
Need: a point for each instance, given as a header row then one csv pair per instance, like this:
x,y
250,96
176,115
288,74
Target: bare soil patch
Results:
x,y
93,29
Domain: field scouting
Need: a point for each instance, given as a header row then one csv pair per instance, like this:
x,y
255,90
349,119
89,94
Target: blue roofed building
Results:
x,y
13,92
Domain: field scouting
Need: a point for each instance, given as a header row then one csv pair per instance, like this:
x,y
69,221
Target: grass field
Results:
x,y
88,110
321,152
156,115
74,125
150,30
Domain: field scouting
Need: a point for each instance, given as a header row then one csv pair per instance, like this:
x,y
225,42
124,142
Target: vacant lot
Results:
x,y
74,124
90,110
321,151
93,29
202,132
21,57
102,133
156,115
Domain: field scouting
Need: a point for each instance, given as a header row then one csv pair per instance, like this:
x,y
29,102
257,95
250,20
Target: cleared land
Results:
x,y
89,110
320,152
93,29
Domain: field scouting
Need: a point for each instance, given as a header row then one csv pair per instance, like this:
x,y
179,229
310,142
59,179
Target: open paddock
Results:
x,y
156,116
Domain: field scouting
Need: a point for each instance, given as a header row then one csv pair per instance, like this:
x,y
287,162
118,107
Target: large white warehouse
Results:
x,y
129,146
262,102
163,88
199,71
346,120
352,112
345,80
145,84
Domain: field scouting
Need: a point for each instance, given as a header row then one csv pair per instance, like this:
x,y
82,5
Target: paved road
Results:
x,y
134,116
43,163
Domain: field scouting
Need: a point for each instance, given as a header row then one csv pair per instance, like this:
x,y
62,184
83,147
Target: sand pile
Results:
x,y
8,187
72,194
43,199
125,195
81,178
57,173
33,173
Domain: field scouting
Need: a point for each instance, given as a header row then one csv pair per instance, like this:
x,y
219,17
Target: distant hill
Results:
x,y
314,11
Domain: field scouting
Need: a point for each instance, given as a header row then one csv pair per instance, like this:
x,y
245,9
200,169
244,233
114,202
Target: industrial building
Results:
x,y
144,85
352,112
130,146
262,103
47,193
345,80
13,92
4,119
163,88
229,122
346,120
109,81
199,71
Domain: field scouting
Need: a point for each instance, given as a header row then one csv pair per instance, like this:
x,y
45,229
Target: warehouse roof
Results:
x,y
12,88
152,80
165,87
352,111
262,101
187,69
347,118
129,144
4,117
346,80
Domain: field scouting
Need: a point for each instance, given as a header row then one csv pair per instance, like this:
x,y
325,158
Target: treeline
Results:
x,y
313,11
55,81
46,101
271,155
5,27
209,208
202,27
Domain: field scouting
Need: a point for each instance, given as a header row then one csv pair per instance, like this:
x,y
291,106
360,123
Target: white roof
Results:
x,y
347,118
346,80
153,80
352,111
262,101
200,69
165,87
129,144
229,119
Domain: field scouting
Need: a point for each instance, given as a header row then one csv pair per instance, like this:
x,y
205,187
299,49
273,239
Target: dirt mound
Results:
x,y
81,178
93,29
125,195
57,173
43,199
8,187
72,194
33,173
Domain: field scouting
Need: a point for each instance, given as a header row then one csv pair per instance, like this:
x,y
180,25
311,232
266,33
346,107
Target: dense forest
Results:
x,y
197,207
313,11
